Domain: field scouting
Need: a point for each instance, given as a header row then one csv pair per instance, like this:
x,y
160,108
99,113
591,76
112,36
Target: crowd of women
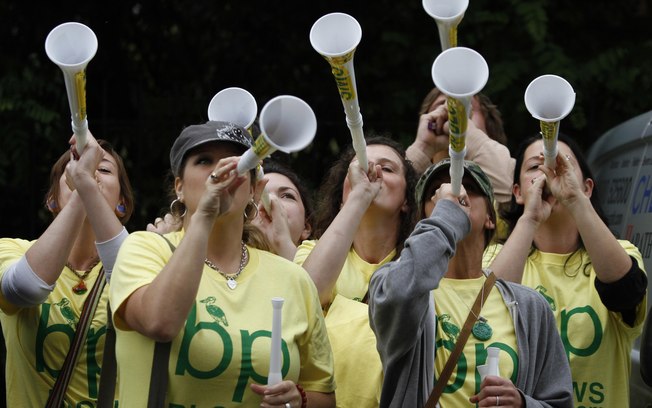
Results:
x,y
395,288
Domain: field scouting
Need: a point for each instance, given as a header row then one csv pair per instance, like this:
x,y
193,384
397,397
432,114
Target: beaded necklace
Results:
x,y
80,288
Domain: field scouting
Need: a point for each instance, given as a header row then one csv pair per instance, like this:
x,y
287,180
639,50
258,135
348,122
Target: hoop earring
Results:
x,y
175,210
121,210
250,204
51,205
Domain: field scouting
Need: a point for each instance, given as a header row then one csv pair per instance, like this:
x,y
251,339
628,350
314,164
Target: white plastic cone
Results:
x,y
235,105
71,46
447,15
287,123
335,34
460,72
549,98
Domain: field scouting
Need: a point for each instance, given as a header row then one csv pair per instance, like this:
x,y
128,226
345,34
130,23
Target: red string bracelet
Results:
x,y
304,398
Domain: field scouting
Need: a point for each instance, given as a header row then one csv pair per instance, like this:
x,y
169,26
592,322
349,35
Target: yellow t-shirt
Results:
x,y
38,338
490,253
453,298
225,344
358,369
353,281
597,342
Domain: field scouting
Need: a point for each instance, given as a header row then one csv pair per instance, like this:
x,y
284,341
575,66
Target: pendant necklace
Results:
x,y
481,329
80,288
231,279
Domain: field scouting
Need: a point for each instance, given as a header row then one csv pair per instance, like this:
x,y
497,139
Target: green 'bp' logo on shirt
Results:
x,y
63,324
237,349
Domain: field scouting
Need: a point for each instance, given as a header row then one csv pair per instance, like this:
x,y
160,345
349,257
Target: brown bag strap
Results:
x,y
461,341
58,393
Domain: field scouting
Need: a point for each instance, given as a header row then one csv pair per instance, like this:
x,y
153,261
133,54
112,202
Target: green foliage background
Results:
x,y
160,62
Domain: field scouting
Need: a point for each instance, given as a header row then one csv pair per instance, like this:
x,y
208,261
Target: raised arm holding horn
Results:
x,y
335,36
71,46
459,73
549,98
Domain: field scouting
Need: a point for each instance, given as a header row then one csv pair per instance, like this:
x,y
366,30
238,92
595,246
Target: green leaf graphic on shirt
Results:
x,y
451,329
542,291
216,313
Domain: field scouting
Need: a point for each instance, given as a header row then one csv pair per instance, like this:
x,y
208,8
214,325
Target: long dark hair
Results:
x,y
330,192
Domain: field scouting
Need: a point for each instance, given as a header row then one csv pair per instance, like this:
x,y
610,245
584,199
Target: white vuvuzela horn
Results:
x,y
287,123
447,15
549,98
275,375
235,105
71,46
459,73
335,36
492,365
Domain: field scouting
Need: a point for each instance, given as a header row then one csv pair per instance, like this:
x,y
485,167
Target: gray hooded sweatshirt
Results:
x,y
402,315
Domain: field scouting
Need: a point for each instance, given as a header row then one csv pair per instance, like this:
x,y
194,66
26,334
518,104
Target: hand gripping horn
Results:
x,y
71,46
335,36
459,73
238,106
549,98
